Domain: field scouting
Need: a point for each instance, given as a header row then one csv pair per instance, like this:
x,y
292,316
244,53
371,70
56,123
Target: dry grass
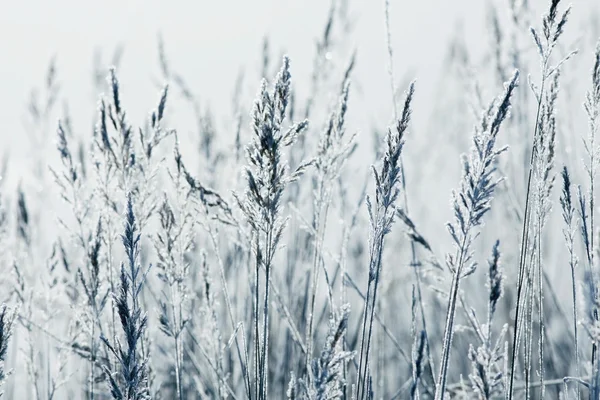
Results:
x,y
168,266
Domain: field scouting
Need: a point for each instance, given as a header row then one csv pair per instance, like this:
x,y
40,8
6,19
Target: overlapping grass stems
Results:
x,y
470,203
569,217
225,313
539,186
267,177
129,380
587,229
381,217
7,318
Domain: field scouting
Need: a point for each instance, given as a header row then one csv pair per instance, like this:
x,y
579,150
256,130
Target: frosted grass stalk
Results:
x,y
267,177
381,218
552,29
470,204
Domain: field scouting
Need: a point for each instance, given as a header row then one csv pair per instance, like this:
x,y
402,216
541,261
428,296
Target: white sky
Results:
x,y
209,41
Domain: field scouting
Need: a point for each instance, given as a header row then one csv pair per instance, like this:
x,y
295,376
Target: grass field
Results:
x,y
293,243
